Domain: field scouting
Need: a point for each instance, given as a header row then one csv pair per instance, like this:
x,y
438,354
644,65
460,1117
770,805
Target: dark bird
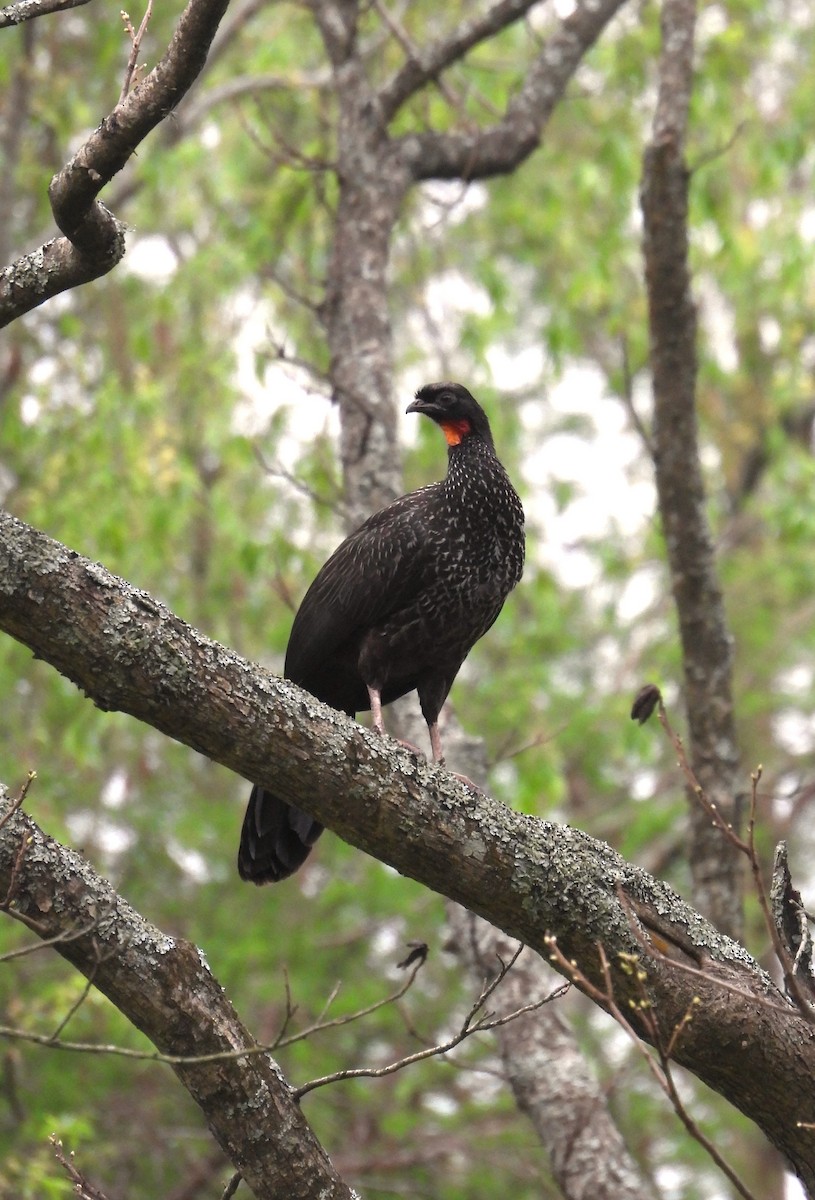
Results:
x,y
398,606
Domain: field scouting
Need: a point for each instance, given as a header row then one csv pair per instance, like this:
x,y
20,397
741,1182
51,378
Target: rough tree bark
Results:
x,y
376,170
543,1065
707,646
530,877
166,989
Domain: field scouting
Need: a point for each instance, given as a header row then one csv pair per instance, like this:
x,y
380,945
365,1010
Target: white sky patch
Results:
x,y
796,681
278,385
525,368
639,593
193,864
795,731
210,136
769,329
151,258
30,409
111,838
642,785
450,295
719,324
449,201
386,939
440,1103
599,468
114,790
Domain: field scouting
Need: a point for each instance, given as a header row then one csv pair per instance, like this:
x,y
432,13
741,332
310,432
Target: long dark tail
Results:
x,y
275,839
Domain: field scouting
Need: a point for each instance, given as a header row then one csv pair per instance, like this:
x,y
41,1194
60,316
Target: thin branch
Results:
x,y
15,806
136,37
501,147
46,943
661,1070
746,847
467,1030
27,10
81,998
322,1024
427,64
81,1187
53,1042
232,1186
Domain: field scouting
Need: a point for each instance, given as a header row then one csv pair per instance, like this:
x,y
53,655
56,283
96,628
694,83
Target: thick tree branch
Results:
x,y
706,642
94,238
530,877
498,150
165,988
431,61
548,1074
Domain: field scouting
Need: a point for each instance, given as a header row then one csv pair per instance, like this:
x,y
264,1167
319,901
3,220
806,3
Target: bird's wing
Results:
x,y
370,575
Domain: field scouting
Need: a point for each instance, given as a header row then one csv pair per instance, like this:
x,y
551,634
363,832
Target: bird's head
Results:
x,y
452,407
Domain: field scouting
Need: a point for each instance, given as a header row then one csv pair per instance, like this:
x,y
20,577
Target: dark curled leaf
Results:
x,y
417,954
645,701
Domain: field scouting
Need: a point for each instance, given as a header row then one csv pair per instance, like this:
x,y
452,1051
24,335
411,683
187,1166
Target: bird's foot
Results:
x,y
380,729
410,746
468,783
465,779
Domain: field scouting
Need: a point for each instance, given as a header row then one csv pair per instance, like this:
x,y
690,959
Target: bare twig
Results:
x,y
32,947
747,847
16,804
83,995
469,1026
136,37
81,1188
426,64
53,1042
660,1070
19,800
232,1186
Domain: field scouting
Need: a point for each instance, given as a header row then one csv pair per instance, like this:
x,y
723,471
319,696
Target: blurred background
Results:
x,y
174,421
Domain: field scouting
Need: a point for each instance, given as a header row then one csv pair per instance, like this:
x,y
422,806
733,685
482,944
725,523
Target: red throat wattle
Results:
x,y
454,431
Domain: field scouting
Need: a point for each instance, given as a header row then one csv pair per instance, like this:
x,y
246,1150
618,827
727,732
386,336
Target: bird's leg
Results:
x,y
375,698
435,743
438,757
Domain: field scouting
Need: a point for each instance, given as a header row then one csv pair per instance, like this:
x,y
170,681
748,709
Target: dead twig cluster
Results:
x,y
631,965
798,982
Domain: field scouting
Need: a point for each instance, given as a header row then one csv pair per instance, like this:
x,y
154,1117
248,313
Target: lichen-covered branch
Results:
x,y
165,988
530,877
93,240
27,10
707,646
